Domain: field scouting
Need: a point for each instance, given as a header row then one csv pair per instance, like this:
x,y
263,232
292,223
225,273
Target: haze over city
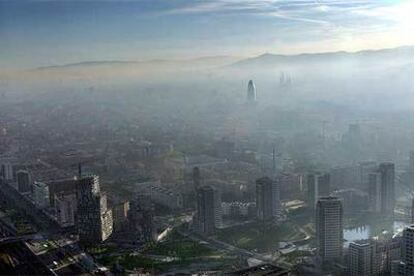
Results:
x,y
222,137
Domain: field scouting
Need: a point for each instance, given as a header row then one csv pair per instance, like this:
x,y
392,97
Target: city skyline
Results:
x,y
196,137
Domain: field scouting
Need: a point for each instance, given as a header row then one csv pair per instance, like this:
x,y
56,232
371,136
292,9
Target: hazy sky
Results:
x,y
38,33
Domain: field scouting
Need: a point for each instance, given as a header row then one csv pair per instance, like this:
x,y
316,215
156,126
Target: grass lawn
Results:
x,y
101,249
292,257
181,247
131,262
260,237
185,252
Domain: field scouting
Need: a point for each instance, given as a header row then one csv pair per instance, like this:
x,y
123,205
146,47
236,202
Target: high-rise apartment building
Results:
x,y
329,228
65,207
408,250
41,195
264,198
362,258
411,163
276,206
318,185
94,219
6,171
374,192
365,169
140,219
381,189
196,177
23,181
387,172
412,211
120,215
208,216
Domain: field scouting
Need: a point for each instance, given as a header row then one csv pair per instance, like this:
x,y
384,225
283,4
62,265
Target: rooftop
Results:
x,y
17,259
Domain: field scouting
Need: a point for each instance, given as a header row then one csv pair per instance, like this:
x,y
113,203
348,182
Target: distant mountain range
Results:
x,y
400,53
405,53
206,61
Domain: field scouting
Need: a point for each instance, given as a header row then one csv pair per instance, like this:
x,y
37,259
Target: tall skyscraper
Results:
x,y
362,258
313,191
411,163
208,216
120,215
64,185
23,181
65,204
408,250
106,218
6,171
381,186
374,192
318,185
196,177
412,211
387,172
276,206
251,92
41,194
329,228
324,184
393,249
398,268
141,219
379,256
264,198
365,169
94,219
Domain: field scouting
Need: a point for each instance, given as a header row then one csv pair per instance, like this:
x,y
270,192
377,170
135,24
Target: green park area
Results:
x,y
176,252
295,255
100,249
259,236
181,247
129,261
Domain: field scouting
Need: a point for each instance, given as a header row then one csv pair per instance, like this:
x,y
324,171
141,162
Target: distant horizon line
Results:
x,y
200,58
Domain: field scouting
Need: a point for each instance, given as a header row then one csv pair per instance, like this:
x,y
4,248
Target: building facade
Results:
x,y
374,192
23,181
318,185
166,197
41,194
362,258
65,208
6,171
387,172
140,220
264,199
208,216
120,215
408,250
329,228
94,219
